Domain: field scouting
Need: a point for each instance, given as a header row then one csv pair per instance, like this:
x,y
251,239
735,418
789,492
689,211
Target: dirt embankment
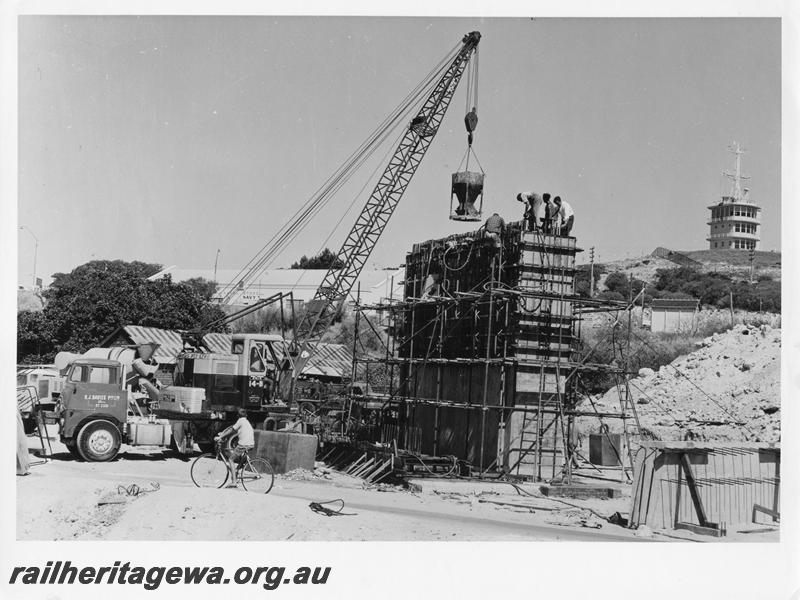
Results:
x,y
728,389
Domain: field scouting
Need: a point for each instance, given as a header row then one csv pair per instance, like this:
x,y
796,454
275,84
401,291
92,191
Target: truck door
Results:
x,y
92,389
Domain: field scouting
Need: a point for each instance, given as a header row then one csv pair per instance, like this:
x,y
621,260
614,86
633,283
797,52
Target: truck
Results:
x,y
110,397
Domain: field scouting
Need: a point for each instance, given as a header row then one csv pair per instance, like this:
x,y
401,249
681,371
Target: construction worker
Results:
x,y
244,430
533,209
494,228
565,214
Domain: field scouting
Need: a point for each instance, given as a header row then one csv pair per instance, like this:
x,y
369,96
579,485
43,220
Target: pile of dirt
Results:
x,y
728,389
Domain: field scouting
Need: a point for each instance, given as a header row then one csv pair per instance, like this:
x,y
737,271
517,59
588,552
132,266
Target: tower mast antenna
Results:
x,y
737,176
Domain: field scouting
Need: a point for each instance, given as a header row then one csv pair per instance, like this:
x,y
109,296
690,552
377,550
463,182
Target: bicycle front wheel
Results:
x,y
257,475
208,471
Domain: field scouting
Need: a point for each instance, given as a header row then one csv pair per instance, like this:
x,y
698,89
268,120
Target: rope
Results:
x,y
135,490
466,260
319,508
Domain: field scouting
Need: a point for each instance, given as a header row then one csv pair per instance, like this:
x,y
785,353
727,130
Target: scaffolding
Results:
x,y
483,358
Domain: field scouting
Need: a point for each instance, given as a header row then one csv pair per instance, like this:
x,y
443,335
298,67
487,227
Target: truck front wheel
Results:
x,y
99,441
73,450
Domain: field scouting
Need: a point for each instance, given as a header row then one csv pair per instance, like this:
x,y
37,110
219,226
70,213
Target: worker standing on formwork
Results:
x,y
494,228
539,211
565,216
533,209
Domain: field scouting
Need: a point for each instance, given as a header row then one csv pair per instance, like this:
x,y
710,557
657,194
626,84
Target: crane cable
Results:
x,y
324,193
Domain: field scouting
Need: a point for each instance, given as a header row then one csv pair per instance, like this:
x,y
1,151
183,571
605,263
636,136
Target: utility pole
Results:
x,y
591,272
216,260
731,304
752,264
35,252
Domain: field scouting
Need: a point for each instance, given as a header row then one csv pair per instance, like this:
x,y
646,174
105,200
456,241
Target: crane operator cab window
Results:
x,y
258,359
237,347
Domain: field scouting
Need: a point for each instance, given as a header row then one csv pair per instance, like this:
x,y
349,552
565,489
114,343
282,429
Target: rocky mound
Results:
x,y
728,389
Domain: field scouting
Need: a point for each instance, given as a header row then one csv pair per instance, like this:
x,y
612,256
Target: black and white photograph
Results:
x,y
504,279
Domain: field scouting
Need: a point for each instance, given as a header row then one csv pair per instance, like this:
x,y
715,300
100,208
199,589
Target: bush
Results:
x,y
715,289
611,295
583,277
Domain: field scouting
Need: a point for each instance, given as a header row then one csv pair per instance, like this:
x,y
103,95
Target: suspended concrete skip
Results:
x,y
706,487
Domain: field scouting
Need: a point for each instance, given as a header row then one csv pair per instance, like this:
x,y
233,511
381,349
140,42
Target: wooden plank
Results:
x,y
692,485
700,530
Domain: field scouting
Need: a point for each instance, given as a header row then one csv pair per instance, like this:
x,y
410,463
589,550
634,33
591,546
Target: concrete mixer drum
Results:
x,y
468,190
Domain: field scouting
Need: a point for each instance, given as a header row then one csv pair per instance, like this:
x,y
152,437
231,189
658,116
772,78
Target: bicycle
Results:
x,y
210,470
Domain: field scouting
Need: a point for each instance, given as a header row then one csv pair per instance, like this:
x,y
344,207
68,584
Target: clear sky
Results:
x,y
164,139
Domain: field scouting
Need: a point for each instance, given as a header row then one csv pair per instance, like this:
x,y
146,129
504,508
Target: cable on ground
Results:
x,y
319,508
135,490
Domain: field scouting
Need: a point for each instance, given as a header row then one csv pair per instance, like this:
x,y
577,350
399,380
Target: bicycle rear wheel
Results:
x,y
208,471
257,475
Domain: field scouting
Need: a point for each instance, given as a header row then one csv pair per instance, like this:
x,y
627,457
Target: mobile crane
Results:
x,y
260,372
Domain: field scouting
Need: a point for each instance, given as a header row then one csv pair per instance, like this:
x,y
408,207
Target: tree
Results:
x,y
89,303
34,338
583,285
625,286
324,260
204,288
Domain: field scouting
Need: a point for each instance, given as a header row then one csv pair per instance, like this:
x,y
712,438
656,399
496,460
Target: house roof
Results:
x,y
674,303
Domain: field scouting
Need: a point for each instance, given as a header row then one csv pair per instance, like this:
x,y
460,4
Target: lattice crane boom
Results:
x,y
379,208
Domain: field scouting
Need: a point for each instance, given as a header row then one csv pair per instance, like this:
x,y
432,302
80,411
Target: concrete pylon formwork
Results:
x,y
484,349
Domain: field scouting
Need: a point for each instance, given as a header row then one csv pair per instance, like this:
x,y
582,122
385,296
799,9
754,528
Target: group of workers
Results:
x,y
541,214
554,217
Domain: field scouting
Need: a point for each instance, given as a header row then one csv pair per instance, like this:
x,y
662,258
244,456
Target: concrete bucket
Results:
x,y
468,189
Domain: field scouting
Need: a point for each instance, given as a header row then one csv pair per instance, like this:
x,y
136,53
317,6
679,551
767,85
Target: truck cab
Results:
x,y
93,408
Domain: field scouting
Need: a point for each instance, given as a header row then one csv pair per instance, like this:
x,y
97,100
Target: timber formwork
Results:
x,y
484,353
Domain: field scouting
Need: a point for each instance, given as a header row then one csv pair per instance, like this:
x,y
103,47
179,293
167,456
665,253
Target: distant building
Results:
x,y
673,315
376,284
736,220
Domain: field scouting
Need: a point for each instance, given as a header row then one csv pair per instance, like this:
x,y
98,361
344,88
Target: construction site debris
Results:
x,y
301,474
577,518
727,390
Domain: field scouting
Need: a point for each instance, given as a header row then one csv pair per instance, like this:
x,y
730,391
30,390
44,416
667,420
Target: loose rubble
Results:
x,y
727,390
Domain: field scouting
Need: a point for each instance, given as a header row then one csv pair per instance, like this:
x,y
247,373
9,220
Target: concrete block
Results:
x,y
286,451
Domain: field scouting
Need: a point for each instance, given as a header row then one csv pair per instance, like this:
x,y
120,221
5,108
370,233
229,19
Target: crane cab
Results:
x,y
246,377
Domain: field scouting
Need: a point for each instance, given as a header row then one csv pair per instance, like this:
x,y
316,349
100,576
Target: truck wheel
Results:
x,y
73,449
99,441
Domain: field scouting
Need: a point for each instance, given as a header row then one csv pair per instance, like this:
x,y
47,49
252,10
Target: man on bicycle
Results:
x,y
244,430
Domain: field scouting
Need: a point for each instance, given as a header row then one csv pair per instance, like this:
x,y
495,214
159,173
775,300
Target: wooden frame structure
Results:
x,y
484,354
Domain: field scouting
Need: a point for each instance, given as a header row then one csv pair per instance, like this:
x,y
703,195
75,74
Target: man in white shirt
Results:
x,y
244,430
566,216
